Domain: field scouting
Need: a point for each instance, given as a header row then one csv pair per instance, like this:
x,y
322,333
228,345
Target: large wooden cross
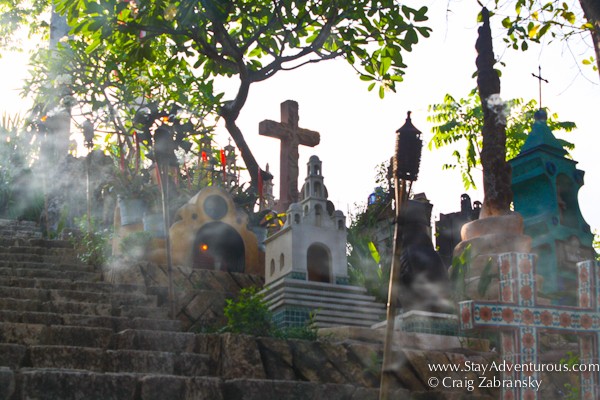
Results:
x,y
291,136
520,318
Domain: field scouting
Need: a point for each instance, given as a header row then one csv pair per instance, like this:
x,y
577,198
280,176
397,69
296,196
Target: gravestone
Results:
x,y
545,185
291,136
448,227
520,318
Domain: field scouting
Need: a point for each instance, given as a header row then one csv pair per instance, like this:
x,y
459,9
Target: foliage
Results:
x,y
129,185
136,244
533,20
252,40
369,266
91,244
459,271
248,314
16,14
571,359
20,197
123,100
461,120
308,331
596,244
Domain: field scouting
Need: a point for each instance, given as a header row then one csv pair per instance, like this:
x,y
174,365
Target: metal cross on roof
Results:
x,y
540,79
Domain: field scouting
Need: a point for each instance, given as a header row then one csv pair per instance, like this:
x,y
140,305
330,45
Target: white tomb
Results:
x,y
306,269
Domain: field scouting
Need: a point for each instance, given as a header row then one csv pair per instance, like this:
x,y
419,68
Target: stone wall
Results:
x,y
200,294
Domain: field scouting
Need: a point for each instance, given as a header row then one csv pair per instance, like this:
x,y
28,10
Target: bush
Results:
x,y
135,246
248,314
91,245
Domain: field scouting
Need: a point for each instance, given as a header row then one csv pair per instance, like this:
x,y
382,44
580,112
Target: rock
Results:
x,y
240,358
311,363
277,358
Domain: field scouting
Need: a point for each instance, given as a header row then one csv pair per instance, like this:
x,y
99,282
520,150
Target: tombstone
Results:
x,y
306,268
520,317
448,227
545,184
291,136
423,279
209,232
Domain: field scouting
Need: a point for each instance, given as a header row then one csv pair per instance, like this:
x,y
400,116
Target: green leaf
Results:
x,y
374,252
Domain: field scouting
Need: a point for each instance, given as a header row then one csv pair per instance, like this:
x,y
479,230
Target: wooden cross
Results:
x,y
520,318
291,137
540,79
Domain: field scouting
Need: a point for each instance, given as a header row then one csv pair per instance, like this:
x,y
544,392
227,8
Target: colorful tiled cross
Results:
x,y
520,320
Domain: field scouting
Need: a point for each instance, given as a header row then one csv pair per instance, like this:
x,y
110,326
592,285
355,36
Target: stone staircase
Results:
x,y
67,334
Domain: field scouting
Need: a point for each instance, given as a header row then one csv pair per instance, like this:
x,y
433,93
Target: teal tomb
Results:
x,y
545,184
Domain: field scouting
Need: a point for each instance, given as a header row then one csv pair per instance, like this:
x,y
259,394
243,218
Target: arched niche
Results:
x,y
566,194
218,246
318,263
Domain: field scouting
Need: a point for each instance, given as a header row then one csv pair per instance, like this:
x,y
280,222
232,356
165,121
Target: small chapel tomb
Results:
x,y
306,270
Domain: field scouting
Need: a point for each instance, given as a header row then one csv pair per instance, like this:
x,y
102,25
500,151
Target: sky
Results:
x,y
358,128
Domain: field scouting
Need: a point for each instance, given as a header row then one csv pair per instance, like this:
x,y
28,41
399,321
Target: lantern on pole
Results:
x,y
407,158
164,156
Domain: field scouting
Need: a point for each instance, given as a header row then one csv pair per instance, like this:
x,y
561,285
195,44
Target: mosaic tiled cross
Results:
x,y
520,320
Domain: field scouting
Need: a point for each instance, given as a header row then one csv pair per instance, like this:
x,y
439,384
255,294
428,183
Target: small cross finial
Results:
x,y
540,79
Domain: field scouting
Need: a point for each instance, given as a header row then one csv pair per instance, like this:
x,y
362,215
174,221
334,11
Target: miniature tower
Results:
x,y
231,170
306,268
318,234
268,200
545,184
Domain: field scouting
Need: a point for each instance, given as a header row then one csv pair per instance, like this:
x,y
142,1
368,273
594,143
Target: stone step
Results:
x,y
333,292
74,385
78,384
362,305
349,314
51,243
39,258
25,248
66,307
64,284
102,360
51,273
39,334
116,298
45,265
117,324
177,342
12,355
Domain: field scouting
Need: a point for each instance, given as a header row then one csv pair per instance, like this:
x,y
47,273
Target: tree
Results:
x,y
111,90
533,20
459,121
253,40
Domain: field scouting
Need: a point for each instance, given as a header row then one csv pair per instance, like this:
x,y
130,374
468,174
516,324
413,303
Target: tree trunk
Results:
x,y
230,112
247,156
591,10
496,171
